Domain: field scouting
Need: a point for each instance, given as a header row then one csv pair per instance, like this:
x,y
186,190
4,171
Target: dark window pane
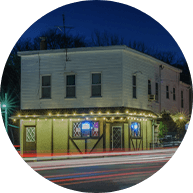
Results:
x,y
96,78
96,90
149,86
71,80
134,92
46,80
46,92
134,80
70,91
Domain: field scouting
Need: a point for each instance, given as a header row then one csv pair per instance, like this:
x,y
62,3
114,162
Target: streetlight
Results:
x,y
4,106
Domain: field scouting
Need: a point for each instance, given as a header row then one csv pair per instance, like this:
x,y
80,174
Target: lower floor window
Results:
x,y
86,129
135,129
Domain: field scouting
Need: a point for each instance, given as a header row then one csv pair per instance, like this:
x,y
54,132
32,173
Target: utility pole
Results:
x,y
64,31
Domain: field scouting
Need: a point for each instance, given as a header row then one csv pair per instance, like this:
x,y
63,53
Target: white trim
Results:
x,y
49,86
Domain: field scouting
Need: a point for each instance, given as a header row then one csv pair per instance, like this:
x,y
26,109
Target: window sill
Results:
x,y
95,97
70,98
45,98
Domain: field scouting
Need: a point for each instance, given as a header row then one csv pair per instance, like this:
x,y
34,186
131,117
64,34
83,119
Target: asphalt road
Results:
x,y
103,174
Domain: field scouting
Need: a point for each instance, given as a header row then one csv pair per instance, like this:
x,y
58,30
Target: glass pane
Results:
x,y
30,134
135,129
134,80
95,129
134,92
46,92
71,80
77,129
70,91
46,80
96,78
96,90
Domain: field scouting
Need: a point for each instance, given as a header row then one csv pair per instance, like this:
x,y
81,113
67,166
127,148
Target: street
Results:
x,y
104,174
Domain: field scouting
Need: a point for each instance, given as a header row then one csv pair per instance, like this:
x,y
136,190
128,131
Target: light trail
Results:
x,y
98,172
103,176
100,162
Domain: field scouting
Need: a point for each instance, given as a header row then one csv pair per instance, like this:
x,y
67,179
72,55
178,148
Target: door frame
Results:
x,y
121,136
24,138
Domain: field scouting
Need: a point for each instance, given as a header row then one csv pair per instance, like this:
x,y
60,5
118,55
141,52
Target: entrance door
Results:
x,y
116,138
30,140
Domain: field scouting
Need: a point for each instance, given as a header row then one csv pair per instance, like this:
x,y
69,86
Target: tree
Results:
x,y
163,130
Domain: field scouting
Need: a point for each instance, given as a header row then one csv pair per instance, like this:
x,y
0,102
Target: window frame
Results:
x,y
134,87
149,87
156,91
174,94
96,85
182,99
140,129
91,136
41,82
167,92
67,86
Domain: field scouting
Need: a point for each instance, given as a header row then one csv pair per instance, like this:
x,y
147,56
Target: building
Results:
x,y
94,99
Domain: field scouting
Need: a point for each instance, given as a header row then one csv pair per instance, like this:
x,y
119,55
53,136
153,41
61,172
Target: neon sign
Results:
x,y
135,129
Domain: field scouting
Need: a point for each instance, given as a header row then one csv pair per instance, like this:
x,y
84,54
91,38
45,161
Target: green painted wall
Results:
x,y
44,136
60,136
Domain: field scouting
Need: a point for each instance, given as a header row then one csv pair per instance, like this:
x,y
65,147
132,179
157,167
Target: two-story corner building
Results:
x,y
94,99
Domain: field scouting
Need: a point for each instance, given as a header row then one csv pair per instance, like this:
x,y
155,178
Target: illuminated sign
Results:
x,y
86,125
135,129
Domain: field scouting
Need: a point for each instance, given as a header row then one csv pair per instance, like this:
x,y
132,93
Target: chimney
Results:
x,y
43,43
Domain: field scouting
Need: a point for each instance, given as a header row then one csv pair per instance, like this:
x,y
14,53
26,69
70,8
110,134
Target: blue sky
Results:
x,y
116,18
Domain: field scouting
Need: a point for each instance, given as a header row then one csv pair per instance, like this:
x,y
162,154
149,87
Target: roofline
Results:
x,y
100,48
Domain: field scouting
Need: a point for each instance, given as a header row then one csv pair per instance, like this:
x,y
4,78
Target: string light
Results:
x,y
95,119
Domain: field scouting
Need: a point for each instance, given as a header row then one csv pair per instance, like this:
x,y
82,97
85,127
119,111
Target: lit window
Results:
x,y
96,85
167,92
70,86
149,86
134,87
135,129
46,87
86,129
174,94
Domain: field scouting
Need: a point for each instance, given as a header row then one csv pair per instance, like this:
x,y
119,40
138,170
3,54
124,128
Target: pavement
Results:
x,y
97,155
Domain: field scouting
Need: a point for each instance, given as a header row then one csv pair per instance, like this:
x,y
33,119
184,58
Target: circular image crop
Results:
x,y
96,96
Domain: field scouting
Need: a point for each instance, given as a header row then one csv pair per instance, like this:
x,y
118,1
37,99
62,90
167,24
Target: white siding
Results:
x,y
82,64
116,65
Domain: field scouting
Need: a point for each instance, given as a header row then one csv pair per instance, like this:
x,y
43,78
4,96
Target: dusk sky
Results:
x,y
116,18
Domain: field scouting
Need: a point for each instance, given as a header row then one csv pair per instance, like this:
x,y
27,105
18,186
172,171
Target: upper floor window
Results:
x,y
167,92
134,87
96,85
156,91
182,99
70,86
174,94
149,86
46,87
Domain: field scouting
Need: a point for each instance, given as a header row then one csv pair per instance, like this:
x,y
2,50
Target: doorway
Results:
x,y
116,138
30,140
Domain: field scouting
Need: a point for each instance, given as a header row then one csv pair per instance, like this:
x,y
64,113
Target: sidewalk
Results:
x,y
95,155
